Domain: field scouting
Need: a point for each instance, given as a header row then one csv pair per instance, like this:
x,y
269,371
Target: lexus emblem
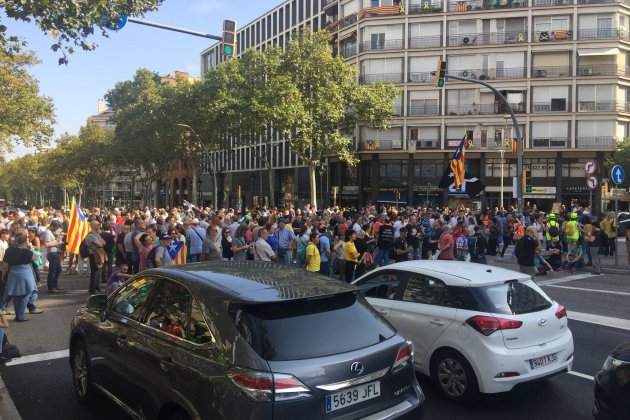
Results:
x,y
542,322
356,368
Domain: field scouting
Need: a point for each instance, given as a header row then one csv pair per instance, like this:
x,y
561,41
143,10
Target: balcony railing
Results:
x,y
541,143
551,71
598,1
375,145
602,106
381,77
481,109
381,11
549,3
489,74
421,77
552,36
603,33
425,7
426,109
387,44
348,50
601,70
425,41
596,142
488,38
555,105
471,5
347,21
425,144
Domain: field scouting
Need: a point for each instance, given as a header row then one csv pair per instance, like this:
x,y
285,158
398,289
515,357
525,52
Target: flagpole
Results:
x,y
517,132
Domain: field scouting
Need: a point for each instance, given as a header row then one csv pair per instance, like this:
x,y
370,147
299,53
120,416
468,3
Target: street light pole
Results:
x,y
210,160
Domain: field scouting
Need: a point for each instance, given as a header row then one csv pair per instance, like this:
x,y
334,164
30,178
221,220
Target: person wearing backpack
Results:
x,y
160,257
525,251
552,228
477,246
572,230
324,250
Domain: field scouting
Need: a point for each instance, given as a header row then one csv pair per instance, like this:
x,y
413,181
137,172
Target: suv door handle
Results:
x,y
437,322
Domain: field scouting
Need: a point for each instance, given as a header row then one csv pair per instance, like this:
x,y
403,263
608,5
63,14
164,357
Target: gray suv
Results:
x,y
232,340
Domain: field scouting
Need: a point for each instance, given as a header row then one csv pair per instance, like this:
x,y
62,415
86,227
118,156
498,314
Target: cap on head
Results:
x,y
574,216
551,216
165,237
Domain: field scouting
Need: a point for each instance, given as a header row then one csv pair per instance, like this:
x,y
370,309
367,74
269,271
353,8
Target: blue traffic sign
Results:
x,y
119,23
617,174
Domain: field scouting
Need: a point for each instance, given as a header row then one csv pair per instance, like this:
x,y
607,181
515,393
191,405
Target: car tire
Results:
x,y
179,415
454,377
81,374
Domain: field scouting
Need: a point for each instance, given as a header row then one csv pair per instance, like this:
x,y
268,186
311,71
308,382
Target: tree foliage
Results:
x,y
621,157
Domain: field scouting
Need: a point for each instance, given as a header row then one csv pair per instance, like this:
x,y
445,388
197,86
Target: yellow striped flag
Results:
x,y
78,228
457,163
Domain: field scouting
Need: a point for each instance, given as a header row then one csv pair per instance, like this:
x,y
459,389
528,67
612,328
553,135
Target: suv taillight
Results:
x,y
561,312
487,325
404,356
267,386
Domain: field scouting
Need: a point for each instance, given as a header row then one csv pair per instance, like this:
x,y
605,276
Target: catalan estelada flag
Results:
x,y
177,251
457,163
78,228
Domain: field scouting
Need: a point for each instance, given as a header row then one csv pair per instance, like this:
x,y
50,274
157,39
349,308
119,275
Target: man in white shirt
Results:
x,y
262,250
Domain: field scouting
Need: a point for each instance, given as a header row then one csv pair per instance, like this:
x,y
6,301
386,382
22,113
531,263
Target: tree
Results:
x,y
71,23
24,115
620,157
332,103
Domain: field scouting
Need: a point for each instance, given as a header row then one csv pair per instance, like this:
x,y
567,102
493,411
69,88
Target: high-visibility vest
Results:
x,y
576,230
549,225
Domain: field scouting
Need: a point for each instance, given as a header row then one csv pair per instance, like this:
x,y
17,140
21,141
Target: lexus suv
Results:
x,y
242,340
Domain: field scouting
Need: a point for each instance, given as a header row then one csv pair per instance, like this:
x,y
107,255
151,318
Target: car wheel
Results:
x,y
179,415
454,377
81,373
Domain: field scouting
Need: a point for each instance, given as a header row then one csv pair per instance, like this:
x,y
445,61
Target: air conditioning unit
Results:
x,y
466,40
427,144
464,73
396,144
586,71
540,73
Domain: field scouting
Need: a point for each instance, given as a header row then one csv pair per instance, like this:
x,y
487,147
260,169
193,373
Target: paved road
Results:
x,y
42,389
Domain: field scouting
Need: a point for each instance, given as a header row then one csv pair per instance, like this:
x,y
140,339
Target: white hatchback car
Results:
x,y
475,328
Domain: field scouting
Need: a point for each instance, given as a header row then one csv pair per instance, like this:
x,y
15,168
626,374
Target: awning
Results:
x,y
588,52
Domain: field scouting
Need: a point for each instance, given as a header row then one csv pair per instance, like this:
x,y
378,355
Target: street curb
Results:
x,y
604,270
8,411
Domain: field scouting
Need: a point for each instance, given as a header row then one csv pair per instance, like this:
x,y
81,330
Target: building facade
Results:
x,y
563,66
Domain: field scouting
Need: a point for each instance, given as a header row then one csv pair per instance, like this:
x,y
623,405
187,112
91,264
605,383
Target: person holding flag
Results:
x,y
455,178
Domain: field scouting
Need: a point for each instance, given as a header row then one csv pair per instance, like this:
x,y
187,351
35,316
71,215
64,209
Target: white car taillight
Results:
x,y
487,325
404,357
561,312
267,386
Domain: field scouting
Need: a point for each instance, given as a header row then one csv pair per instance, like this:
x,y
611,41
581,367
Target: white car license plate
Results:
x,y
352,396
543,361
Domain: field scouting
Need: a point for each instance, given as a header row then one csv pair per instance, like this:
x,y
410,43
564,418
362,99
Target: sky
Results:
x,y
77,87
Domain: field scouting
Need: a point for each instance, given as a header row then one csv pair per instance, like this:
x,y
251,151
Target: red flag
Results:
x,y
78,228
457,163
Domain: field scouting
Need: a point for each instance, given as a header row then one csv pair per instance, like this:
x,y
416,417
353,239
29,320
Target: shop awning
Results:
x,y
590,52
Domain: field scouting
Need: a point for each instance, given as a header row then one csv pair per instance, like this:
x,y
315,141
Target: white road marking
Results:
x,y
610,292
565,279
581,375
32,358
607,321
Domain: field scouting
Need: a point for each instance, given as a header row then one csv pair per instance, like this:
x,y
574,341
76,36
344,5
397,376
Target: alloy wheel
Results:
x,y
452,377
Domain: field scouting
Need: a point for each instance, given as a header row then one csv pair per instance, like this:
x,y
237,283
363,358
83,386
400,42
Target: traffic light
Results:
x,y
440,73
527,181
228,41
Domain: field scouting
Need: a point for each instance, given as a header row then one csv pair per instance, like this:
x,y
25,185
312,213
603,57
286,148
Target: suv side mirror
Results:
x,y
97,302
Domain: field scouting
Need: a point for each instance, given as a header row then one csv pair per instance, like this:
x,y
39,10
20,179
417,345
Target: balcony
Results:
x,y
604,142
491,74
381,11
387,44
601,70
602,33
421,77
550,3
552,36
381,77
424,109
425,41
348,51
471,5
425,144
545,143
425,7
551,71
555,105
347,21
379,145
488,38
602,106
482,109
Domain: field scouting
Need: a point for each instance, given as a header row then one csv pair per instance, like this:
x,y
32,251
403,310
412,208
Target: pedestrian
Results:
x,y
211,250
262,250
414,236
53,241
609,226
239,244
594,244
446,244
196,235
461,246
340,256
525,251
477,245
574,257
35,245
312,253
351,255
95,244
110,239
325,252
572,230
121,255
384,242
554,253
286,242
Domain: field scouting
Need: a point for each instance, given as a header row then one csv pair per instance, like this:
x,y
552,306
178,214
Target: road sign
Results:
x,y
119,23
591,167
592,182
163,194
617,174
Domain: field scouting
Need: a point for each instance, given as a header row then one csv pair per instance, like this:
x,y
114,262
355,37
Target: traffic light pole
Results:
x,y
173,28
517,132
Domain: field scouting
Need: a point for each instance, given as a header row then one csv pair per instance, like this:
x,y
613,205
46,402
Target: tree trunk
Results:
x,y
313,180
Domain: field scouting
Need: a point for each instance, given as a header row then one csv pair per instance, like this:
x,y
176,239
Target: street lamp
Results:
x,y
502,151
322,171
209,157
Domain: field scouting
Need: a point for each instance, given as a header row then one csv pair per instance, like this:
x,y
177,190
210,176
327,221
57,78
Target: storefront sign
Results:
x,y
350,190
576,189
543,190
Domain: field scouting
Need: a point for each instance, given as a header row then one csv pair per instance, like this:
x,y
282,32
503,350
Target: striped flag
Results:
x,y
78,228
177,251
457,163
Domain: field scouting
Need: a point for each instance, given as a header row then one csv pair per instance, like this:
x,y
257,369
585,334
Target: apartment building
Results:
x,y
562,65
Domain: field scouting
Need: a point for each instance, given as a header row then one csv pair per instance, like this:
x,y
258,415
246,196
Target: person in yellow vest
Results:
x,y
312,253
552,228
572,230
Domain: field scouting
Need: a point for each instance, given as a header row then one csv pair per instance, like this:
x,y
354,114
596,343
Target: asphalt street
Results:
x,y
41,387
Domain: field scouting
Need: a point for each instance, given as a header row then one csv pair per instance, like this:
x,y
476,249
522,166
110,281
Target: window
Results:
x,y
130,301
308,6
293,13
280,21
377,41
423,289
198,330
269,34
512,298
551,23
383,285
428,169
170,309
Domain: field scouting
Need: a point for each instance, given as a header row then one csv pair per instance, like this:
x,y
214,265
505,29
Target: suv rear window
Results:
x,y
512,298
301,329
